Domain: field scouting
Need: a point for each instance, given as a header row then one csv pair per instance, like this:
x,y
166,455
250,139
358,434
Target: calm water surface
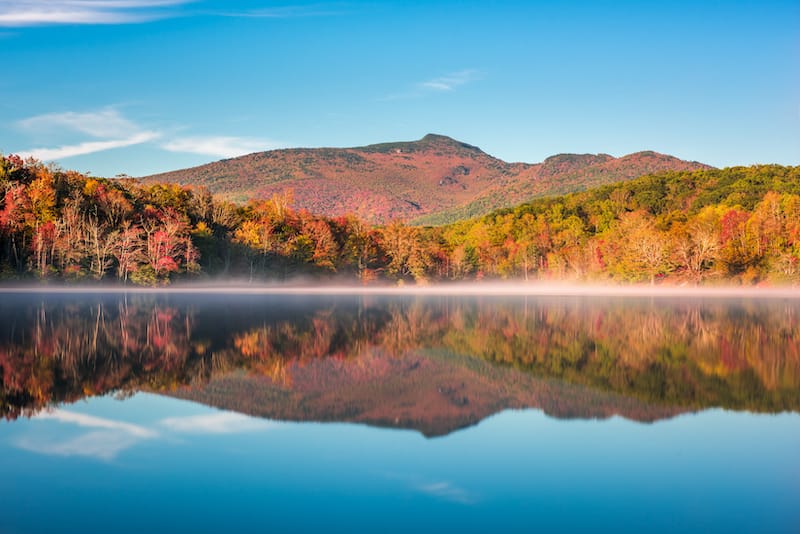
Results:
x,y
209,412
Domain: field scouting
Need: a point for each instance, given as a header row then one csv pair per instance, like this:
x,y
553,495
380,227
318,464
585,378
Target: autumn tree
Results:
x,y
533,243
128,250
697,242
406,252
258,238
15,219
69,237
99,243
639,250
167,245
359,245
43,245
739,248
326,249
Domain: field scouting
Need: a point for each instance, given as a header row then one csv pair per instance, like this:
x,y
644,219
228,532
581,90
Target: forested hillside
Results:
x,y
434,180
739,224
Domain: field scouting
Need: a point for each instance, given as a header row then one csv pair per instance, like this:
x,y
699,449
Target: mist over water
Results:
x,y
302,286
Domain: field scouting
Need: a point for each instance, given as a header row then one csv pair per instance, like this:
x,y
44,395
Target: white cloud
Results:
x,y
107,122
21,13
284,12
89,147
222,146
450,81
215,423
109,129
107,125
442,84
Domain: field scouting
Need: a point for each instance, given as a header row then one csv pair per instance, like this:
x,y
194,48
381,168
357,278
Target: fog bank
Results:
x,y
471,289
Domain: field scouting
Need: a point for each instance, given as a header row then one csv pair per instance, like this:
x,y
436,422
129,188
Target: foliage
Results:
x,y
739,224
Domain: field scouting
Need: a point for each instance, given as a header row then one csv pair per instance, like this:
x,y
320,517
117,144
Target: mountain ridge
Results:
x,y
433,180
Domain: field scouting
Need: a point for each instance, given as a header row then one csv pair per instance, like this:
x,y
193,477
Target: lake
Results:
x,y
207,411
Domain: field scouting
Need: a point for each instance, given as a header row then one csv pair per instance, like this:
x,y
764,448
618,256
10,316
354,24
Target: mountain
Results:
x,y
434,180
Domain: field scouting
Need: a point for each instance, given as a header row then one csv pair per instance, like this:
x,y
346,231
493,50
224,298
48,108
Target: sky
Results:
x,y
137,87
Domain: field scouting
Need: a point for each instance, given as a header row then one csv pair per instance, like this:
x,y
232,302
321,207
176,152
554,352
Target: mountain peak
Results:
x,y
431,141
435,176
438,138
443,140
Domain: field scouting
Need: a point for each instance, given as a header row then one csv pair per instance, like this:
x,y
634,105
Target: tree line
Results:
x,y
739,224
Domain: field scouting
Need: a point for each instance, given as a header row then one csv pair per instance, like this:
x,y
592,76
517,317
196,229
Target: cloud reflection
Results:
x,y
439,489
106,439
447,491
91,421
101,444
215,423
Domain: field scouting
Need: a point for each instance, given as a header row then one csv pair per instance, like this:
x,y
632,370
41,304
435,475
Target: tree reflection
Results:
x,y
731,354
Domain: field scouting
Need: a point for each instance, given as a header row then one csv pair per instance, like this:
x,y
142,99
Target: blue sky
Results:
x,y
142,86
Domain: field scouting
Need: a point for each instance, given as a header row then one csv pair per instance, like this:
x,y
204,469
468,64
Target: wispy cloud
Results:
x,y
107,126
89,147
215,423
104,441
107,122
22,13
286,12
221,146
449,82
442,84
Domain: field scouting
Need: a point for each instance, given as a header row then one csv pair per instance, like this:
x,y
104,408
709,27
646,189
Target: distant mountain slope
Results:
x,y
433,180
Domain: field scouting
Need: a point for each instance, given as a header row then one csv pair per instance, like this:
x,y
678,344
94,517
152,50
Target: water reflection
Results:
x,y
433,363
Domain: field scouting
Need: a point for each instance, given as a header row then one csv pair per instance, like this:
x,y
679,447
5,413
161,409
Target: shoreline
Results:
x,y
536,289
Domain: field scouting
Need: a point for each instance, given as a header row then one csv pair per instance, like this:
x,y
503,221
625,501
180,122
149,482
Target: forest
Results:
x,y
736,225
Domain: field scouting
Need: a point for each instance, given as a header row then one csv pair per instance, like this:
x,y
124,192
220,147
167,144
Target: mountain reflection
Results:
x,y
434,364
